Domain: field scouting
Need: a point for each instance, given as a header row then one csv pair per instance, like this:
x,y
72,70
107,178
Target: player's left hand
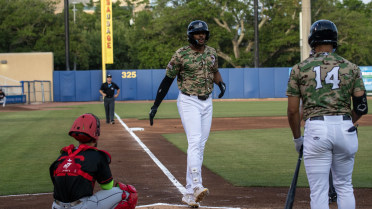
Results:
x,y
298,143
152,113
222,86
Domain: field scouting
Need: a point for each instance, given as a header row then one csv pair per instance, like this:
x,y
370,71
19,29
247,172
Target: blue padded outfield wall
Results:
x,y
77,86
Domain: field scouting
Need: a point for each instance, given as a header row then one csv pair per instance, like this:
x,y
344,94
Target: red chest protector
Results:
x,y
69,166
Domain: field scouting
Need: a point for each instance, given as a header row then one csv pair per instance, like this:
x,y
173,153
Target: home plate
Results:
x,y
137,129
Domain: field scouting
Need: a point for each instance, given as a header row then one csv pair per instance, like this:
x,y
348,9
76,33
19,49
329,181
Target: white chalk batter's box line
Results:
x,y
139,206
182,206
22,195
170,176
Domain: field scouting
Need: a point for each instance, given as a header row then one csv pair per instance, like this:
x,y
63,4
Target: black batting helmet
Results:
x,y
323,32
197,26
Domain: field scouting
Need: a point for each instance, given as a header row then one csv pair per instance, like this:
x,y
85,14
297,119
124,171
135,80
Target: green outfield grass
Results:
x,y
30,141
220,109
267,157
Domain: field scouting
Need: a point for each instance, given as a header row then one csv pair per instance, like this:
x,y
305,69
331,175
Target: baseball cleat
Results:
x,y
200,193
112,122
190,201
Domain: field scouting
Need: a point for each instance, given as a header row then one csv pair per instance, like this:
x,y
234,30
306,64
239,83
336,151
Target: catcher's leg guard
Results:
x,y
129,197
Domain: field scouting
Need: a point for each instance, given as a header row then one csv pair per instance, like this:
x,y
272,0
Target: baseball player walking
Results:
x,y
2,98
326,82
75,172
108,92
196,68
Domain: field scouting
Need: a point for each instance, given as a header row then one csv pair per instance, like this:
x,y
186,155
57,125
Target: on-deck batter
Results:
x,y
196,69
326,83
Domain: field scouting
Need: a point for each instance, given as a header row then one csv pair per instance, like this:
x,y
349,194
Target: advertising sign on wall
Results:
x,y
367,77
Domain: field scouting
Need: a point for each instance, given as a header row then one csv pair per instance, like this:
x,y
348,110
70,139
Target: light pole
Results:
x,y
74,10
256,38
305,24
67,36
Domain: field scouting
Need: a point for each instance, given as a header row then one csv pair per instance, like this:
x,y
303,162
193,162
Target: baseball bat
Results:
x,y
332,194
292,190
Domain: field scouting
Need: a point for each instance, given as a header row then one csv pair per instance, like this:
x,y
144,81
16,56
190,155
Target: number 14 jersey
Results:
x,y
325,82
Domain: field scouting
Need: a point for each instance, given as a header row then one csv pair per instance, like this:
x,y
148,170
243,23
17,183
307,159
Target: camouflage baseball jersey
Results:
x,y
194,70
325,82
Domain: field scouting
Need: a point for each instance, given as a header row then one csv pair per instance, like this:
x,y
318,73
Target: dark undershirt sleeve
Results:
x,y
163,90
104,176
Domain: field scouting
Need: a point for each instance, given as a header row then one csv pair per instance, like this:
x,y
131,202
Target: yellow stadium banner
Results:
x,y
107,32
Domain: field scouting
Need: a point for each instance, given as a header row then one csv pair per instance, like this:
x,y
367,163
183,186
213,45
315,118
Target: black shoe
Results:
x,y
112,122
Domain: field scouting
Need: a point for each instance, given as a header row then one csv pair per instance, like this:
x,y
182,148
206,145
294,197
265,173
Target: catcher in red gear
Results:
x,y
76,170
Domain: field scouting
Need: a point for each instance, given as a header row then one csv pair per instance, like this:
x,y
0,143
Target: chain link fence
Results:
x,y
37,91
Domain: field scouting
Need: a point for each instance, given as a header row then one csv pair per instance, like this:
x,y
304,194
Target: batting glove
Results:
x,y
152,113
222,86
298,143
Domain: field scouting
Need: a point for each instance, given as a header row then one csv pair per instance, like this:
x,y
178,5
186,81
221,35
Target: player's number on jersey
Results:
x,y
331,77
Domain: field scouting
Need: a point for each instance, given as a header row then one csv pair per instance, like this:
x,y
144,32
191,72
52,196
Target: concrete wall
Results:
x,y
26,67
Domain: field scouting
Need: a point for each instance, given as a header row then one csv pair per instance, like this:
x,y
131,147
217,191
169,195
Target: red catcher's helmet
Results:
x,y
86,128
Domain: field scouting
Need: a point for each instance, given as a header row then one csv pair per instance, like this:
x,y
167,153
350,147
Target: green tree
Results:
x,y
81,31
53,40
23,23
159,32
121,24
155,33
155,36
232,31
279,35
353,20
92,35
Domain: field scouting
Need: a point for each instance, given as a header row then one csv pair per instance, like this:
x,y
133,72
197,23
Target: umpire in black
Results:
x,y
108,92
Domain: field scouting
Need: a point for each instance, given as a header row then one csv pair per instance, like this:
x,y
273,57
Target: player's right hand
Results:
x,y
298,143
152,113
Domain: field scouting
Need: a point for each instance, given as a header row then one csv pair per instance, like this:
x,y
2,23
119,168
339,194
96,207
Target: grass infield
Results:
x,y
30,141
267,157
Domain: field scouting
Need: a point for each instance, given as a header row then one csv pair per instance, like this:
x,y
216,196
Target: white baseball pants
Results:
x,y
329,145
196,117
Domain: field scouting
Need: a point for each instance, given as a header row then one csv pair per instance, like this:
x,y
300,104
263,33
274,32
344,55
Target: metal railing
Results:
x,y
37,91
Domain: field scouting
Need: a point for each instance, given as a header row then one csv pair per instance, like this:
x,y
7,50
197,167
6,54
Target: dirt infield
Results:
x,y
131,164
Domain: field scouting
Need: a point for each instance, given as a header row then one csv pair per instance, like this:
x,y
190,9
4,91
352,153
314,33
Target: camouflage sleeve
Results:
x,y
215,59
174,66
293,88
358,81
